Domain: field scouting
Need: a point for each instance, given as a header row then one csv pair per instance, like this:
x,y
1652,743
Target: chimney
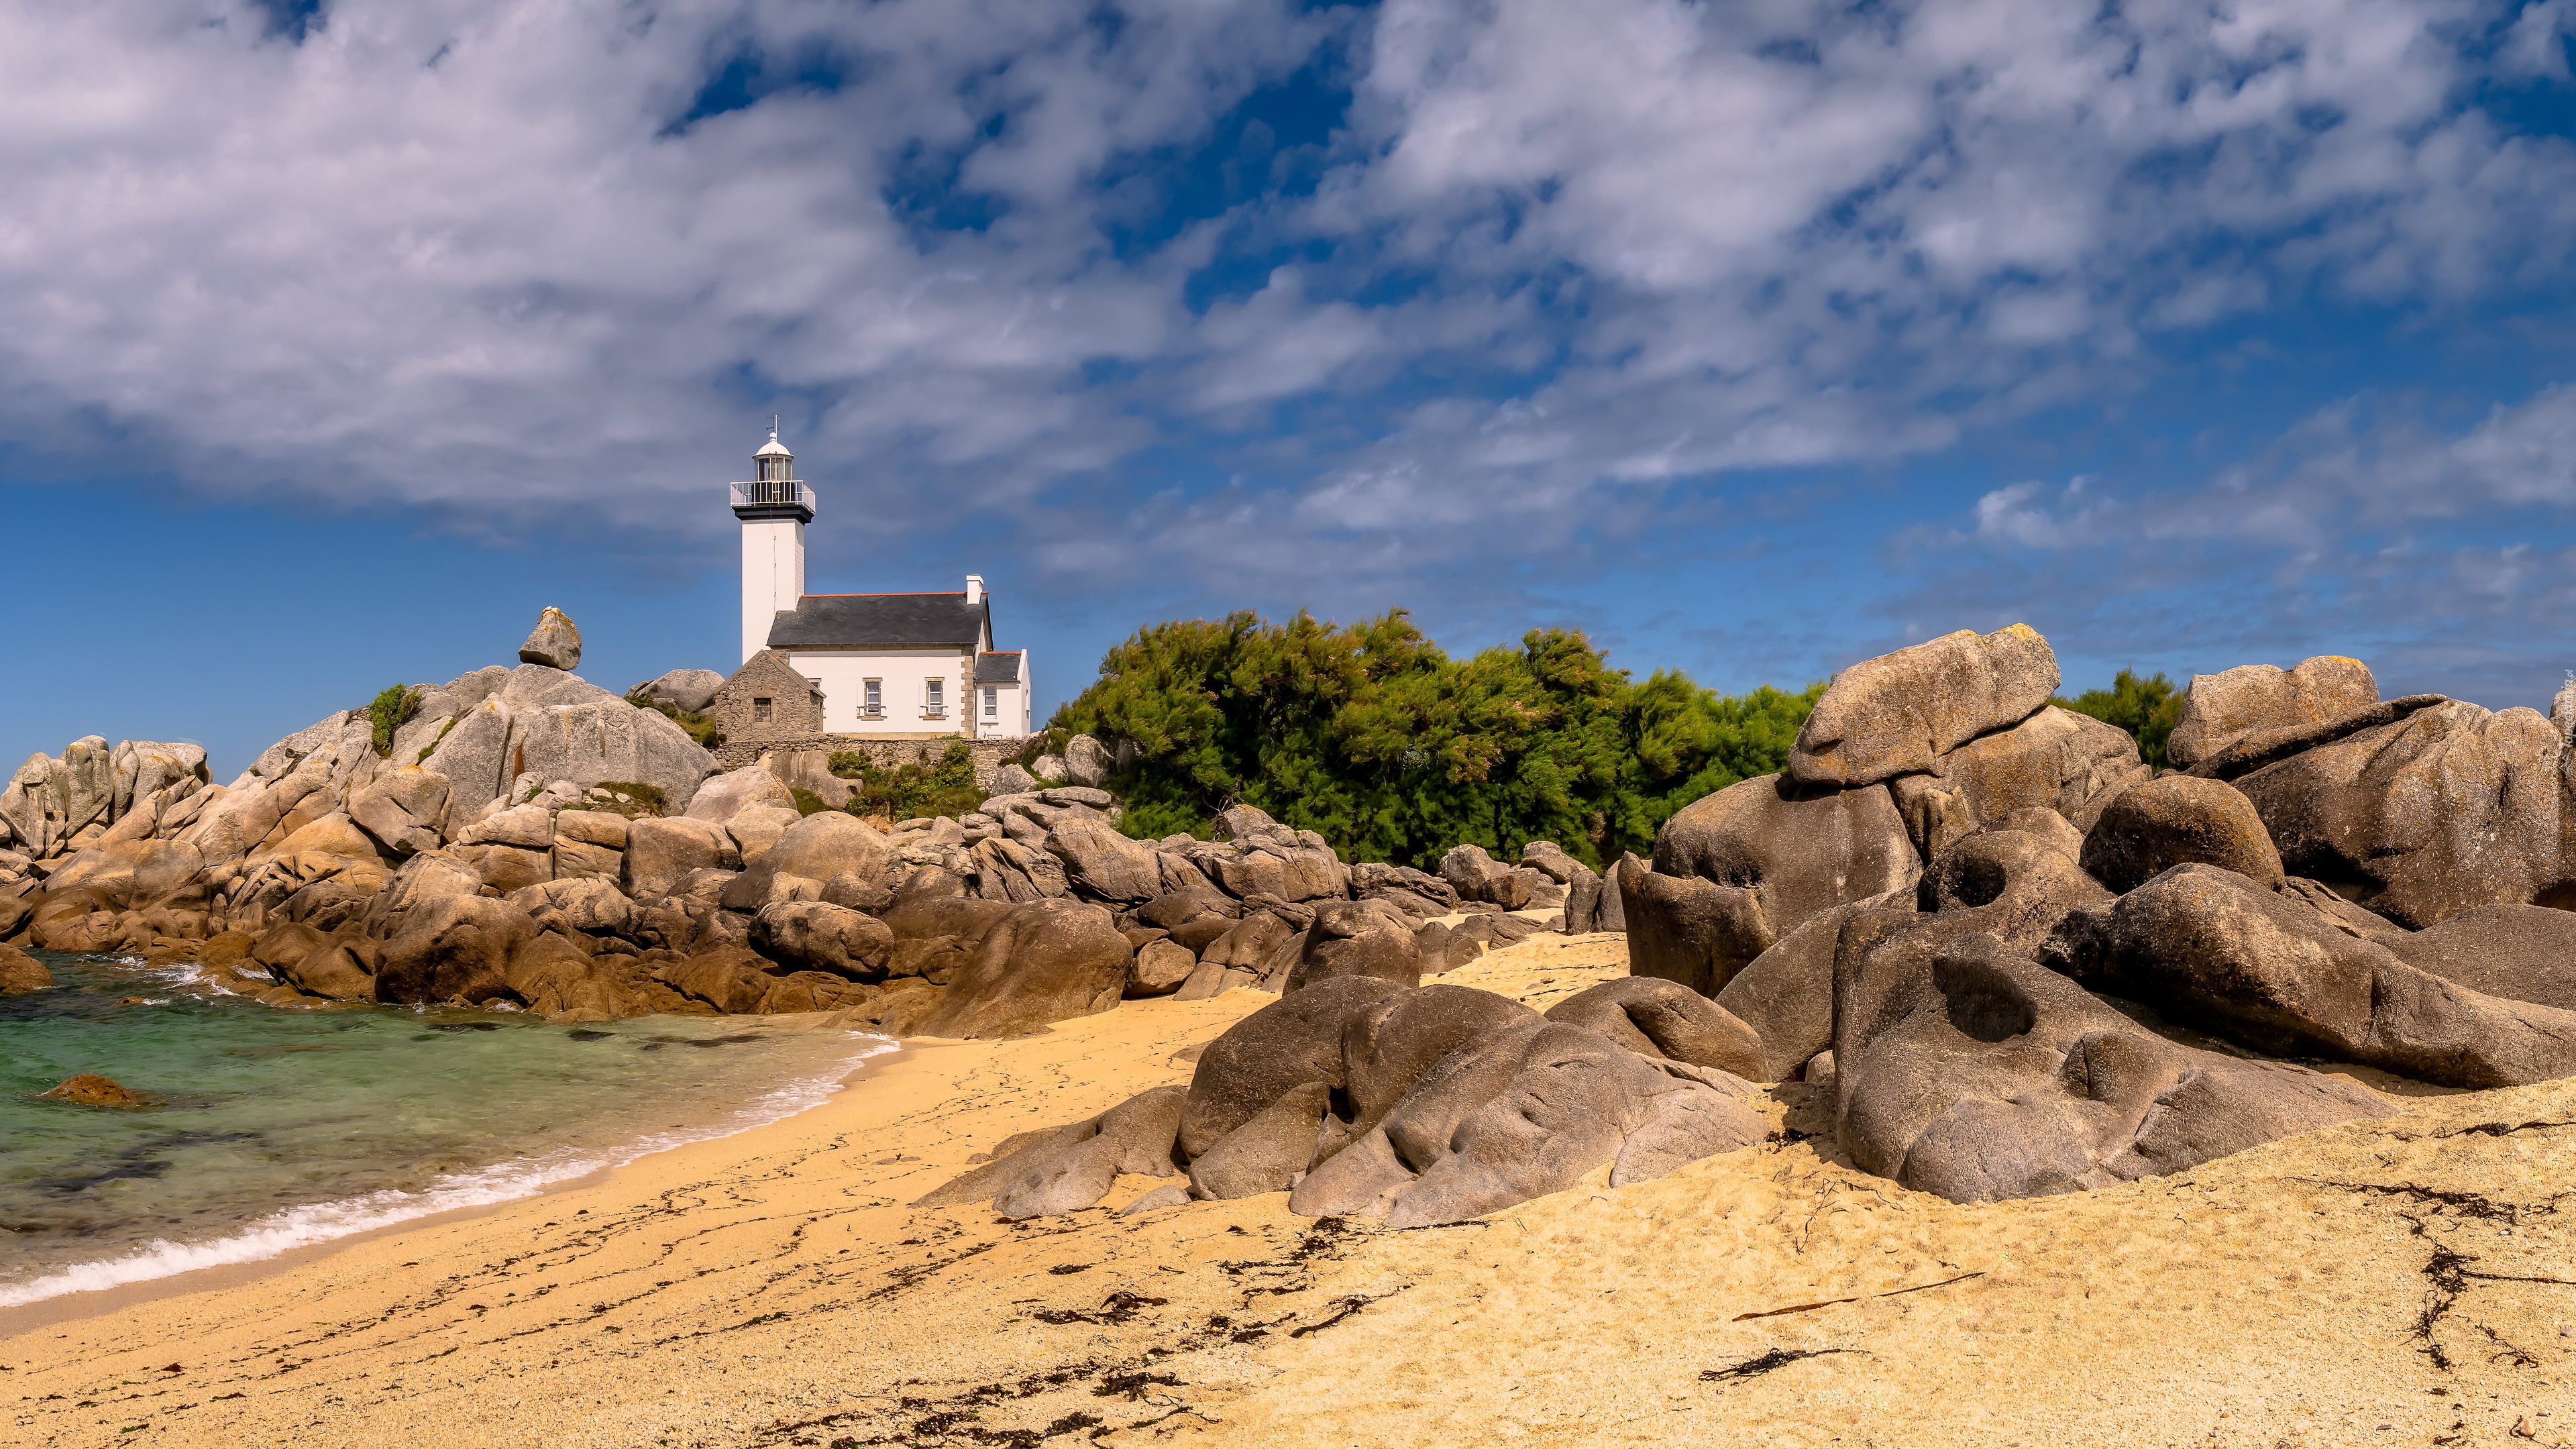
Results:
x,y
974,590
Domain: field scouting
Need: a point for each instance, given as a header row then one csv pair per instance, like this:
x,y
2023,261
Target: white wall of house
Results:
x,y
902,676
1007,713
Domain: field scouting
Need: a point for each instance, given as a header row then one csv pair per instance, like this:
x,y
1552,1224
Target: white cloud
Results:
x,y
455,252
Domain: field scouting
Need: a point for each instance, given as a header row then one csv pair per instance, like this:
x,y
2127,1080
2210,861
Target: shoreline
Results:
x,y
771,1288
243,1255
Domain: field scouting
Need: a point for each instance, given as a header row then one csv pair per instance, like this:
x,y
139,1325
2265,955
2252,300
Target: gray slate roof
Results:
x,y
899,621
998,668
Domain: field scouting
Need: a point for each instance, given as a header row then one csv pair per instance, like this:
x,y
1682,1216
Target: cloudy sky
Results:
x,y
1751,337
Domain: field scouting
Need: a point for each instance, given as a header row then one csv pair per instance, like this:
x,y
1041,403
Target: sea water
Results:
x,y
263,1130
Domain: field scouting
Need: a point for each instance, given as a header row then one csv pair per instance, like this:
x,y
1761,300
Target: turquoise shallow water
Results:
x,y
269,1129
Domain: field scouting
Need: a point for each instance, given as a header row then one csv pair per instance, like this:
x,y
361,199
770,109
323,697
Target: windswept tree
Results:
x,y
1375,739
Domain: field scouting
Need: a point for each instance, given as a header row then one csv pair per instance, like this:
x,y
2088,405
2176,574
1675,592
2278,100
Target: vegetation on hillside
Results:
x,y
391,709
2147,708
1392,750
907,791
701,728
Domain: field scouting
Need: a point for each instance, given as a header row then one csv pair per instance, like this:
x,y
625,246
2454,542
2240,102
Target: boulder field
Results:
x,y
518,838
2011,961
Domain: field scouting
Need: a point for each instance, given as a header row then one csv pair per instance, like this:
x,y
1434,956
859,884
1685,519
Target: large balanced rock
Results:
x,y
2225,707
2217,951
1045,961
1803,850
2056,760
554,643
1970,1071
2445,810
2177,820
1900,712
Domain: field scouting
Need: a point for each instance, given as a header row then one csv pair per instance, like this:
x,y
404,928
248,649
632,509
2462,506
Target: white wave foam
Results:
x,y
297,1227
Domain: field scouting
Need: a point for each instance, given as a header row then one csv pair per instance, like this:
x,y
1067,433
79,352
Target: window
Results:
x,y
872,703
932,705
992,702
759,711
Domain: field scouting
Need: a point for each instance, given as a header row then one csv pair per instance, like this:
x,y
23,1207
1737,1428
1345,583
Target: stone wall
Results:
x,y
990,755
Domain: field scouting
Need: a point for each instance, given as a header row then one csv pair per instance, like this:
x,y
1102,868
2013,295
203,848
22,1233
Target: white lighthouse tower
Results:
x,y
774,508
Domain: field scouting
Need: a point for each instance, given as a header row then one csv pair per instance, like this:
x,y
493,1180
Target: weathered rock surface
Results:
x,y
554,643
1971,1071
2223,708
1294,1040
1046,961
1660,1019
1523,1110
91,1090
1688,930
2445,810
819,936
2519,953
2178,820
689,691
1901,712
1357,938
1802,850
21,973
453,948
2056,760
2218,952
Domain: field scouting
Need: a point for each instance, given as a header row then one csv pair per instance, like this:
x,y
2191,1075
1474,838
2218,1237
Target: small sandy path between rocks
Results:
x,y
2405,1282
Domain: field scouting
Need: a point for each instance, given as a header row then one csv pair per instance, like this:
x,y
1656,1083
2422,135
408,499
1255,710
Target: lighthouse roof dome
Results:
x,y
773,449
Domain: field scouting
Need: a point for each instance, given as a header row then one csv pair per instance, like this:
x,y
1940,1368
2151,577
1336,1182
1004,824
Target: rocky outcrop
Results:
x,y
1418,1106
2447,809
21,973
2222,708
1901,712
689,691
2179,820
1046,961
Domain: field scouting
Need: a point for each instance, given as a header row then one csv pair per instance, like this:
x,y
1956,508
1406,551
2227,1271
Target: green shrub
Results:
x,y
2147,708
642,800
701,728
807,802
945,788
1393,751
392,709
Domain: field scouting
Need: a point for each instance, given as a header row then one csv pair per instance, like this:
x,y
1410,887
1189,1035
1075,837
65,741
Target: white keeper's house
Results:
x,y
885,666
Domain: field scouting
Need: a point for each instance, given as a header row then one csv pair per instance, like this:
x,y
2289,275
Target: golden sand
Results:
x,y
2403,1282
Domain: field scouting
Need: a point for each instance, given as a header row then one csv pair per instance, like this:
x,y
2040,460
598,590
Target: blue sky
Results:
x,y
1752,338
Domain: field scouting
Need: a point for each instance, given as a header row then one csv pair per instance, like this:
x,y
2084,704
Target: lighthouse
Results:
x,y
774,508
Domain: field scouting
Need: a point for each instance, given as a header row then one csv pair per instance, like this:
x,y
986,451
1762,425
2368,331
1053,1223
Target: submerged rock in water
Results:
x,y
92,1090
20,972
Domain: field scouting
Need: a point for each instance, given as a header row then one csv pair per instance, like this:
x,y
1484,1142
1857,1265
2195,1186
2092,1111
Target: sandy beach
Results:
x,y
2402,1282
